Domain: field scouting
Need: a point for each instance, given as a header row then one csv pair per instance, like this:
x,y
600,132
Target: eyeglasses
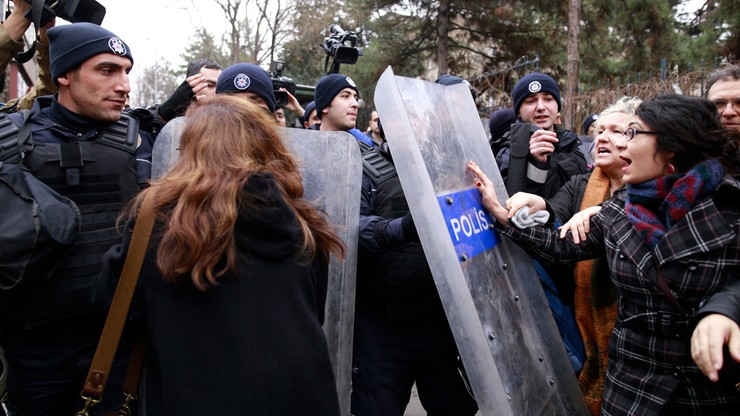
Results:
x,y
722,104
631,132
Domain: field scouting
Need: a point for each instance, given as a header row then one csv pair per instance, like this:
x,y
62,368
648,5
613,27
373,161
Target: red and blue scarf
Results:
x,y
653,207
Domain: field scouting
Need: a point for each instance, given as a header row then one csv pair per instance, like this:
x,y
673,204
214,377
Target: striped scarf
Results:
x,y
654,206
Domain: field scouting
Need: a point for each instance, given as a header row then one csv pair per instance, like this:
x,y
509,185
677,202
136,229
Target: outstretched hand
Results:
x,y
580,224
708,341
488,194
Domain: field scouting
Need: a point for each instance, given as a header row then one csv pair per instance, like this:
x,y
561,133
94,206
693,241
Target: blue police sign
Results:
x,y
469,225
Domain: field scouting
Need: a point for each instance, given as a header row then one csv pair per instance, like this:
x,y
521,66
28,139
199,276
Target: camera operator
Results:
x,y
11,33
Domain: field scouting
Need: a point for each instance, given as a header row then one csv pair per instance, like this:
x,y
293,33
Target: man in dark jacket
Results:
x,y
537,155
85,150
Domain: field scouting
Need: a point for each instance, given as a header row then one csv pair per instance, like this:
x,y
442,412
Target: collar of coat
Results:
x,y
711,224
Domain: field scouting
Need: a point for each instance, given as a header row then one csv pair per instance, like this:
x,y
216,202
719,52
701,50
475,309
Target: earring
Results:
x,y
670,169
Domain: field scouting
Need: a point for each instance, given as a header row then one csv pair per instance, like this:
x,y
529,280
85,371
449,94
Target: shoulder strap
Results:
x,y
663,286
92,390
12,142
516,178
123,134
377,166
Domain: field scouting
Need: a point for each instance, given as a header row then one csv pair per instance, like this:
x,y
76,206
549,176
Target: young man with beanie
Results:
x,y
537,155
336,98
82,147
401,332
248,81
589,134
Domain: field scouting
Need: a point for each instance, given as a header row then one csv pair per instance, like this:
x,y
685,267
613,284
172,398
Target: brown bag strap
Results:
x,y
663,285
92,390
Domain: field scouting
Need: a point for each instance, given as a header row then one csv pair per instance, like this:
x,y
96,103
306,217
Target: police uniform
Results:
x,y
401,334
50,327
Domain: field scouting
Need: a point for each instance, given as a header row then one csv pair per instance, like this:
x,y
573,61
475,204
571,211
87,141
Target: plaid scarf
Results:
x,y
653,207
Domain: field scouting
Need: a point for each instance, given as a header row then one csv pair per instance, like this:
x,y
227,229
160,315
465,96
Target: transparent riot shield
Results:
x,y
505,333
331,168
166,148
332,177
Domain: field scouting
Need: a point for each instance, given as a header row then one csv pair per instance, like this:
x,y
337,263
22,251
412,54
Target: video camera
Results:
x,y
71,10
340,47
279,81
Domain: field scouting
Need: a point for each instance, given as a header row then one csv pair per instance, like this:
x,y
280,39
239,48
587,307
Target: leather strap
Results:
x,y
103,359
663,285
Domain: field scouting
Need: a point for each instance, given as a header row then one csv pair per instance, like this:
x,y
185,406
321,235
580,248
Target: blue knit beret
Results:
x,y
307,112
588,121
500,122
71,45
244,77
532,84
328,87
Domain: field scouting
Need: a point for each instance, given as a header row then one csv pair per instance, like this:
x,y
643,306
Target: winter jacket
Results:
x,y
650,366
253,344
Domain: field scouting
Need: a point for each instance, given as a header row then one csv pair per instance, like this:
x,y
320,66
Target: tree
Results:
x,y
203,46
156,83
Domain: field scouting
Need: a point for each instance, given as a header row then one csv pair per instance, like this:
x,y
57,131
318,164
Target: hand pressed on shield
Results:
x,y
708,341
579,224
488,194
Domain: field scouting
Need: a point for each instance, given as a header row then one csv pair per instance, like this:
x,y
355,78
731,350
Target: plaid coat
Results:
x,y
650,367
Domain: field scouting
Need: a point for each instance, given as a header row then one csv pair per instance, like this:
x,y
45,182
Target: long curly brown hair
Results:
x,y
225,141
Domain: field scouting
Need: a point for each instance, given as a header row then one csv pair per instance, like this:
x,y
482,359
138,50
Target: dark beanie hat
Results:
x,y
328,87
246,77
310,107
532,84
71,45
500,122
588,122
447,79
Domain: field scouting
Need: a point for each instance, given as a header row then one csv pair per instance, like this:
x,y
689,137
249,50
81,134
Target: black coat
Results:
x,y
253,345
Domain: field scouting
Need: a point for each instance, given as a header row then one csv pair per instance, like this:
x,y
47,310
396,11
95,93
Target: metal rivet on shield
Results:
x,y
508,396
491,226
516,298
552,381
449,200
504,266
541,358
464,257
491,336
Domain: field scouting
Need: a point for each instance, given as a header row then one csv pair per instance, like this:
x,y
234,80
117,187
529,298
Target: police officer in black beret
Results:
x,y
87,151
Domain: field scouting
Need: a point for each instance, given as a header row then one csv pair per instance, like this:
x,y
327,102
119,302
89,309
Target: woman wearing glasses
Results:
x,y
671,238
595,299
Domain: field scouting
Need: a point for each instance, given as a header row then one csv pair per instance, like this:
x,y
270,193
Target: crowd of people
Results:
x,y
642,244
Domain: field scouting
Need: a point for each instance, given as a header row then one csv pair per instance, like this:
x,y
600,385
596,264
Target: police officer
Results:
x,y
85,150
537,155
336,98
401,333
248,81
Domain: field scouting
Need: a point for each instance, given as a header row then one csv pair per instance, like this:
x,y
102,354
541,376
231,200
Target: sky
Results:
x,y
160,29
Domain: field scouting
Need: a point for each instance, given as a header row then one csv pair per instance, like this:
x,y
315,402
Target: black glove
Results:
x,y
177,103
409,229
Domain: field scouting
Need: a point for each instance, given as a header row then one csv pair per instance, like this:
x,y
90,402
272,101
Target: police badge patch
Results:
x,y
117,46
351,82
535,86
242,81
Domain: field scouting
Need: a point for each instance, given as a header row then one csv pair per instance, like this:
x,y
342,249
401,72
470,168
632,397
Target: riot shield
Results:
x,y
332,175
505,333
166,148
